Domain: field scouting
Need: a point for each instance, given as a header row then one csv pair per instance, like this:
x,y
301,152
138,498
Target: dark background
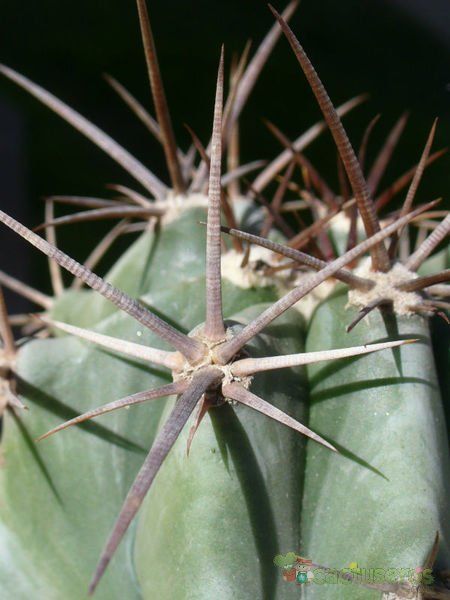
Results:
x,y
396,50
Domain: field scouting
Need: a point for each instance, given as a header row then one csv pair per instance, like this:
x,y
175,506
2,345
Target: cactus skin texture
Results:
x,y
381,500
42,384
74,487
146,270
58,500
72,511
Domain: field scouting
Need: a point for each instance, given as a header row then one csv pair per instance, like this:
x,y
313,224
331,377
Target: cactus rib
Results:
x,y
161,447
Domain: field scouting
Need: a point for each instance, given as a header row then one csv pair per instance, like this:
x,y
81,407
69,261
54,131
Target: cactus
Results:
x,y
226,472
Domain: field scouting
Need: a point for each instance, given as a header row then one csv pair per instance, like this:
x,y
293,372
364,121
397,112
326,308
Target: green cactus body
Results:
x,y
58,547
52,522
215,520
437,262
386,418
173,250
173,254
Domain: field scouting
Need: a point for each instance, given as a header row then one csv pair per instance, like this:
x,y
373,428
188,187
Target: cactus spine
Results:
x,y
233,468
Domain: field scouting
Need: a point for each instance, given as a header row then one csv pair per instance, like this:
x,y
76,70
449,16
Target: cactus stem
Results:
x,y
159,100
249,366
170,360
25,291
365,140
170,389
399,184
427,247
231,347
272,170
92,132
214,327
193,350
50,234
236,392
119,212
164,441
384,156
380,259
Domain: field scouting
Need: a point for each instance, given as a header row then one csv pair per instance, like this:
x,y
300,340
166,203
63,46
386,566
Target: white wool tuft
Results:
x,y
176,204
385,287
286,280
